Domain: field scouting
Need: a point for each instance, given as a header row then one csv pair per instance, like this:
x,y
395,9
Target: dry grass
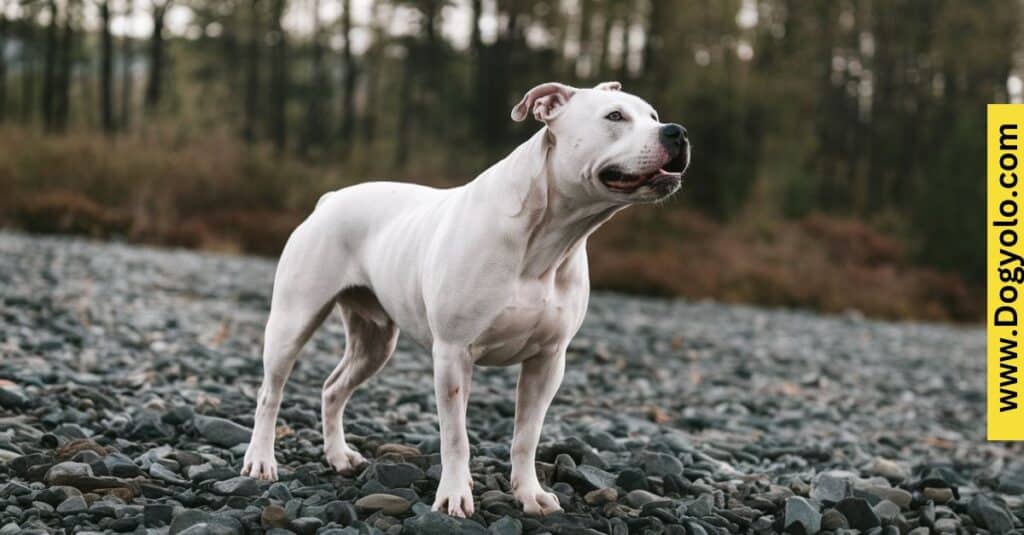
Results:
x,y
220,195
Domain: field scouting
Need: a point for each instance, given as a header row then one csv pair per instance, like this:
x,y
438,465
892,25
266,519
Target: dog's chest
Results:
x,y
536,318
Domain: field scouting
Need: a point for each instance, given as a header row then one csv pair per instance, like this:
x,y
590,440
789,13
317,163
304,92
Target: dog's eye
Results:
x,y
615,116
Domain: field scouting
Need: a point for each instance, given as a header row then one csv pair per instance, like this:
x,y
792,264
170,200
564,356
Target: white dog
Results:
x,y
492,273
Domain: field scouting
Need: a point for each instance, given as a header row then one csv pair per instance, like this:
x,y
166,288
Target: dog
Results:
x,y
492,273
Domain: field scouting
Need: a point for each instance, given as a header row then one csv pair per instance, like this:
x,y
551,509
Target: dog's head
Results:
x,y
607,143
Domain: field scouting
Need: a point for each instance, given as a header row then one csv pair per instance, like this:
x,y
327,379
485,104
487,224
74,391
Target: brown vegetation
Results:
x,y
220,195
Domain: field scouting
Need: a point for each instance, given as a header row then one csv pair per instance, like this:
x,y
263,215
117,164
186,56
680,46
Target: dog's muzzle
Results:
x,y
665,179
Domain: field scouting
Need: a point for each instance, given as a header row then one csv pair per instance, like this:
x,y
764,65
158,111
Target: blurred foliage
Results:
x,y
224,131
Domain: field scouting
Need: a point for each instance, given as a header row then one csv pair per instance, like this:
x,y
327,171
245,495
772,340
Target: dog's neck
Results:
x,y
557,222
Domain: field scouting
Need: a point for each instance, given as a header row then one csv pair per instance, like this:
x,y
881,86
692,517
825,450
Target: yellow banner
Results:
x,y
1005,271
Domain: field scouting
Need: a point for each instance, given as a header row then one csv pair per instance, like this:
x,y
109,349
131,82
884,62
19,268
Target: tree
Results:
x,y
62,111
50,67
127,87
349,72
315,111
106,69
154,87
3,61
252,73
279,78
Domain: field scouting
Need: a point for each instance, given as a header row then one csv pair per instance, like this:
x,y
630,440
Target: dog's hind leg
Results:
x,y
300,303
371,336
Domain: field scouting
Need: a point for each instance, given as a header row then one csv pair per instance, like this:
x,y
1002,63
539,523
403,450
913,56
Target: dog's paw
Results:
x,y
345,460
260,464
454,498
537,501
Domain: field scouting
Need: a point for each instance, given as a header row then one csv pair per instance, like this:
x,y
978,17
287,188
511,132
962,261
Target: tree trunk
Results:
x,y
28,64
318,87
252,74
63,97
50,67
154,89
127,87
477,86
403,131
279,80
376,57
106,70
349,72
3,61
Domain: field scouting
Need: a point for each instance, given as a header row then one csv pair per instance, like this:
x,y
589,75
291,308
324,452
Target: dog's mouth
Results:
x,y
615,179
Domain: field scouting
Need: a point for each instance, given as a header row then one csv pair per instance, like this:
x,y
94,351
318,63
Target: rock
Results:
x,y
161,472
62,473
341,512
12,398
73,505
402,450
661,464
196,522
832,520
829,489
630,479
887,511
801,517
221,432
435,523
858,513
306,525
589,477
398,475
157,515
990,515
939,496
601,496
639,498
506,526
892,470
273,516
389,504
240,486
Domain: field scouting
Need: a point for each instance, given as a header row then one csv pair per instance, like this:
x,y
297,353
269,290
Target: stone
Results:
x,y
273,516
435,523
221,432
196,522
990,515
506,526
858,513
398,475
801,518
938,495
389,504
832,520
601,496
661,464
829,489
240,486
894,471
73,505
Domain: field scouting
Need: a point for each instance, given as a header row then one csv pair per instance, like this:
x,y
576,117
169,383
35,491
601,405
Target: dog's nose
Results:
x,y
672,136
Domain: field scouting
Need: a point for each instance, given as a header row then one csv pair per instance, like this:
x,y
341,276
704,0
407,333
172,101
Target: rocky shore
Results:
x,y
128,376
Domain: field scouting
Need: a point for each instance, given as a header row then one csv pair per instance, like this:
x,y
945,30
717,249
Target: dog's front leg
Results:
x,y
453,371
539,379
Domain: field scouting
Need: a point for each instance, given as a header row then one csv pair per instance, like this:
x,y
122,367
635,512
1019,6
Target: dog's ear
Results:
x,y
609,86
545,101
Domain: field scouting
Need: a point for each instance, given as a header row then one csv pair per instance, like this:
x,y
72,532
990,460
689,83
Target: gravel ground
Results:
x,y
128,376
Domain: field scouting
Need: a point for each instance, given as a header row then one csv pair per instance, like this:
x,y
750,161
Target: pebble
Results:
x,y
387,503
129,376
